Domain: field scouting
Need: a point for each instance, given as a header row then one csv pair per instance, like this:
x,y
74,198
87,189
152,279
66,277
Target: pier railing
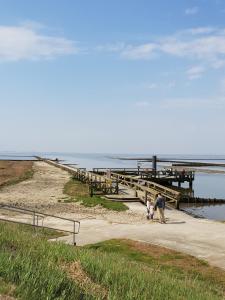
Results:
x,y
148,189
146,173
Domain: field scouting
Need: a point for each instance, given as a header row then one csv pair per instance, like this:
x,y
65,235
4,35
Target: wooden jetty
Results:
x,y
145,189
165,176
95,181
107,182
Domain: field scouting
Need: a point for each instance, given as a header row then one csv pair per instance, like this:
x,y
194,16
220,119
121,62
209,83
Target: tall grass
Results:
x,y
34,265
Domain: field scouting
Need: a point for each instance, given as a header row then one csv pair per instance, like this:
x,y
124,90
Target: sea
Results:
x,y
205,185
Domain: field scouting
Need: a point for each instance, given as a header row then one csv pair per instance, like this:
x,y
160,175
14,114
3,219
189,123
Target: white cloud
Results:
x,y
182,103
195,72
151,86
171,84
193,103
159,85
218,63
205,45
26,43
145,51
142,104
191,10
116,47
198,30
222,84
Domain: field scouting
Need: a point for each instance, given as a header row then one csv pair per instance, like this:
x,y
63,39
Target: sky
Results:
x,y
112,76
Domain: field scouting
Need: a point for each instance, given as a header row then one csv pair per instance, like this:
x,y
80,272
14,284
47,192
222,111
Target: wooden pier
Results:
x,y
165,176
146,184
95,181
145,189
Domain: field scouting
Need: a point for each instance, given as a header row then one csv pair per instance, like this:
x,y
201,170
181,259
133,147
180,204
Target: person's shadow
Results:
x,y
175,222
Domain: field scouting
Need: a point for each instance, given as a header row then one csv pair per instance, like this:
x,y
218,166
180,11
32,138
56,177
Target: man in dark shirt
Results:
x,y
160,206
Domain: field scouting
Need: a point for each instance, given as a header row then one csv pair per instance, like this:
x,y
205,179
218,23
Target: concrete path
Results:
x,y
202,238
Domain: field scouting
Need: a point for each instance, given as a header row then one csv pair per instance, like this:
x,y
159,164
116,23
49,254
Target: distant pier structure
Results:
x,y
166,176
148,182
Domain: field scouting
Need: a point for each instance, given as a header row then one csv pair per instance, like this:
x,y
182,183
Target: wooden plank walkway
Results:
x,y
148,189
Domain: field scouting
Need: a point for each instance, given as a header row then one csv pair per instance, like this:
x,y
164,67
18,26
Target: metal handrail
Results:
x,y
36,215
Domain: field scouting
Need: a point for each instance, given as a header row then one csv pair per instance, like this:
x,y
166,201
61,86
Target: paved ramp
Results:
x,y
202,238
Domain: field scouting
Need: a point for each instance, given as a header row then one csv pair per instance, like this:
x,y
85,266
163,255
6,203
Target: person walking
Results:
x,y
160,206
150,210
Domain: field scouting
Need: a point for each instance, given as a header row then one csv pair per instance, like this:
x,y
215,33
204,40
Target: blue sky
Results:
x,y
113,76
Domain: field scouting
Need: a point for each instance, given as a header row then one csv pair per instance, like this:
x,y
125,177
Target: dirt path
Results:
x,y
202,238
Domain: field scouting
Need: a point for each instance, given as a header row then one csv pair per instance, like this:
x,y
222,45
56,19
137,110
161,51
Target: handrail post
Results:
x,y
74,228
34,218
146,196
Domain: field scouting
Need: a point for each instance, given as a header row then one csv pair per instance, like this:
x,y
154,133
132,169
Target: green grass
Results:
x,y
123,269
78,192
6,288
177,263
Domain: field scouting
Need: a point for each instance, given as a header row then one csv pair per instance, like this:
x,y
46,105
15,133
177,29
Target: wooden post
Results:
x,y
154,164
146,196
91,190
117,186
177,204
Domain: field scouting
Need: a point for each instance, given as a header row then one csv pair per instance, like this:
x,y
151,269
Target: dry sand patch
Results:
x,y
44,192
44,188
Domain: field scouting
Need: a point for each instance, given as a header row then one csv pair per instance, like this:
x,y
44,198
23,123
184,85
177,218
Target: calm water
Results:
x,y
205,185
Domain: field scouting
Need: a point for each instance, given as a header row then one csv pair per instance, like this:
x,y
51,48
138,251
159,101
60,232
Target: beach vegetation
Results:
x,y
79,192
12,172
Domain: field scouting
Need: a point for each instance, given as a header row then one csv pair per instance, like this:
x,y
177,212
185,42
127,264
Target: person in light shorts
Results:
x,y
150,210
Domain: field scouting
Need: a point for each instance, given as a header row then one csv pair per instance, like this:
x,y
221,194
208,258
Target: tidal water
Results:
x,y
206,185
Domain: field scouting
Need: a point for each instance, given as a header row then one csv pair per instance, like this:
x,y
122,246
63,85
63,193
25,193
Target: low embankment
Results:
x,y
33,268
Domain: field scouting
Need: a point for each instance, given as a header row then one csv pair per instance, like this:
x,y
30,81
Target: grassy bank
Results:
x,y
114,270
78,192
6,288
12,172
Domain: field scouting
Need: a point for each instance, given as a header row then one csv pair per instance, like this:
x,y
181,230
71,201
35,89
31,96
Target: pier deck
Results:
x,y
165,176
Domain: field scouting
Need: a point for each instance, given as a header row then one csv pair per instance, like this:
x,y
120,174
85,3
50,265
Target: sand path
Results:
x,y
43,189
202,238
